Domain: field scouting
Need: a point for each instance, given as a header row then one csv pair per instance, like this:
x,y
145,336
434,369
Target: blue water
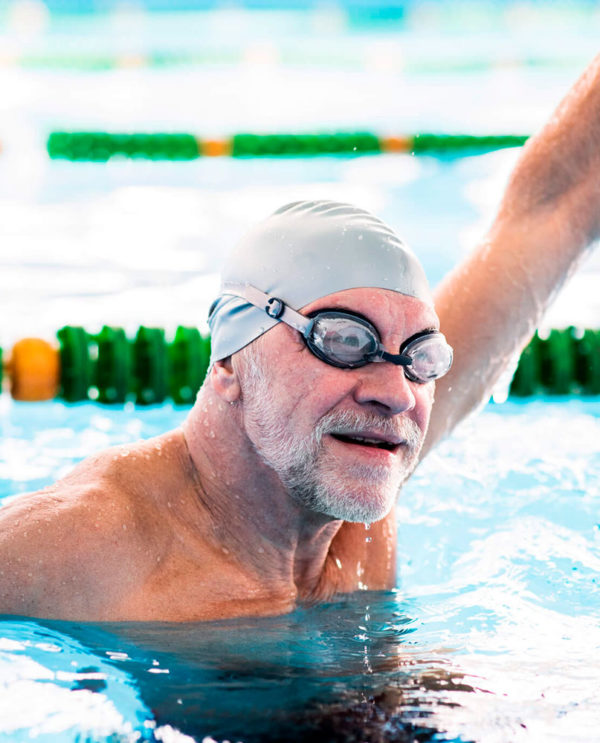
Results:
x,y
491,635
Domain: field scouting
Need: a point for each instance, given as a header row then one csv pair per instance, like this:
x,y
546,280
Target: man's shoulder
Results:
x,y
68,548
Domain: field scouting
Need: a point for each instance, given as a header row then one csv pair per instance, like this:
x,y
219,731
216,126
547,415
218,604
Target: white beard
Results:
x,y
315,478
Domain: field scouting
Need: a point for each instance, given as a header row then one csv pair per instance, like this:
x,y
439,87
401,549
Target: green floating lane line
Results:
x,y
587,362
526,378
150,366
75,364
567,362
148,369
189,355
556,362
113,377
463,143
305,145
101,146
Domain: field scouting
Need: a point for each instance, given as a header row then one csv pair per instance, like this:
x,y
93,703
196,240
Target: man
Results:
x,y
318,404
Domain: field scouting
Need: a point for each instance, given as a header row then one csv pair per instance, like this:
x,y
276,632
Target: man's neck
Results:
x,y
251,515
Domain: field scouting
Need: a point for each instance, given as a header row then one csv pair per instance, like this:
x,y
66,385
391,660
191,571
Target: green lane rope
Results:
x,y
304,145
113,365
150,366
189,354
450,144
75,364
110,368
102,146
564,363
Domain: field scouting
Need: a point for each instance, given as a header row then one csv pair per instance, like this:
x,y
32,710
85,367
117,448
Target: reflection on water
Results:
x,y
347,671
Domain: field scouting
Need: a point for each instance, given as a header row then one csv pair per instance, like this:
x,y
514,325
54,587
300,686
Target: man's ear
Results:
x,y
225,380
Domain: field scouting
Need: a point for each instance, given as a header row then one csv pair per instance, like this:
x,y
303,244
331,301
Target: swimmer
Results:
x,y
334,371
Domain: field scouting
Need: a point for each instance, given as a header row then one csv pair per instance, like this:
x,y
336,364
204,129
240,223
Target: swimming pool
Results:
x,y
492,633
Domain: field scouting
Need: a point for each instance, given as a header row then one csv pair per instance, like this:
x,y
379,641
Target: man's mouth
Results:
x,y
366,441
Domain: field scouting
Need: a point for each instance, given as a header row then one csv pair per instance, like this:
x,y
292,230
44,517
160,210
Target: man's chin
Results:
x,y
356,505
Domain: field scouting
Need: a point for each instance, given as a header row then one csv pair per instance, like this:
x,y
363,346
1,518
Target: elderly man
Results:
x,y
318,405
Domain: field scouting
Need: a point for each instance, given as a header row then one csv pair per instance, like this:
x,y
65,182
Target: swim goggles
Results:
x,y
349,341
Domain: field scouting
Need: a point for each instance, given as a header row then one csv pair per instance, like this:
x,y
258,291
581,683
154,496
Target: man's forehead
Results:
x,y
372,302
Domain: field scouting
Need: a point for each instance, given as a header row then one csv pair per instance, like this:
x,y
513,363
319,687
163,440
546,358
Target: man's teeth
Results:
x,y
364,440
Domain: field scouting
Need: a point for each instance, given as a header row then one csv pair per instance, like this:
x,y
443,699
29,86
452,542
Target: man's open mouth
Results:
x,y
365,441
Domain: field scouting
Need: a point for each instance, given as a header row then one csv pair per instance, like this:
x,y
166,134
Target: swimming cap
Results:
x,y
305,251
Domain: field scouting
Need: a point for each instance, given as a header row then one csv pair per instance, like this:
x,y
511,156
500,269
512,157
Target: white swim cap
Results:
x,y
305,251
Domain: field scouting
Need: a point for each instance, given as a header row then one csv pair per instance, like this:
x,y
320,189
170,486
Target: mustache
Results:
x,y
352,421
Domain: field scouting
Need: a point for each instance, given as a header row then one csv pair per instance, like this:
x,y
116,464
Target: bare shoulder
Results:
x,y
74,549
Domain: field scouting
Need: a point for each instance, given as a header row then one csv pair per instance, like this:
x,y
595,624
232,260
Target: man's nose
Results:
x,y
385,386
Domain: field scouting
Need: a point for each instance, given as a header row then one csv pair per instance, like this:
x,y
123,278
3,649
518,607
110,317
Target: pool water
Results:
x,y
492,634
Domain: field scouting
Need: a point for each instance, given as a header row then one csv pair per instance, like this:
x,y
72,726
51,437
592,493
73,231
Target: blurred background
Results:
x,y
132,242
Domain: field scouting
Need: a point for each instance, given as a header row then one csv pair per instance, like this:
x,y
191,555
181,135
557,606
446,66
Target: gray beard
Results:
x,y
310,473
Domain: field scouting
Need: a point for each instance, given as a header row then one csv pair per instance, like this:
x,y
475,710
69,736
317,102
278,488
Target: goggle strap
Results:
x,y
400,359
274,307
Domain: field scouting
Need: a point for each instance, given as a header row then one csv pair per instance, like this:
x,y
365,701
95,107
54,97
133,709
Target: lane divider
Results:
x,y
102,146
110,368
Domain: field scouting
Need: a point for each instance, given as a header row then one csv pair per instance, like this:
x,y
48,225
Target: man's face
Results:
x,y
342,441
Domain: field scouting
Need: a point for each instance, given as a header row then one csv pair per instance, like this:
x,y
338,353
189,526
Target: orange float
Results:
x,y
34,370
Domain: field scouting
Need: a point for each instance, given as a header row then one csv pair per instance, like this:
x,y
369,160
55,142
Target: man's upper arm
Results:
x,y
492,302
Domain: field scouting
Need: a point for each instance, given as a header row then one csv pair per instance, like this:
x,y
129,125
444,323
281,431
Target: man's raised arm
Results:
x,y
490,304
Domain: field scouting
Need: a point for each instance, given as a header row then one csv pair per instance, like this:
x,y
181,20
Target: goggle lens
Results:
x,y
341,340
348,342
431,357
